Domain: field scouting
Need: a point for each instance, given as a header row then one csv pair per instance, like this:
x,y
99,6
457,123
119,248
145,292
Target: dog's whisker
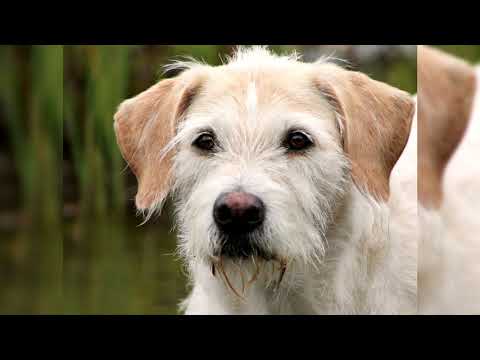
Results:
x,y
283,268
240,270
255,274
228,283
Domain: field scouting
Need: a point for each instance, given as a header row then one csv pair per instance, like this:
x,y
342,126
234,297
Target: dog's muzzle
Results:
x,y
238,216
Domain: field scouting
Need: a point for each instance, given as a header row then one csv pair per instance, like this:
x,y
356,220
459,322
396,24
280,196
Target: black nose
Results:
x,y
238,212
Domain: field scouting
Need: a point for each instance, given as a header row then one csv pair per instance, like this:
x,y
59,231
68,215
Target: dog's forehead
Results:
x,y
266,83
261,93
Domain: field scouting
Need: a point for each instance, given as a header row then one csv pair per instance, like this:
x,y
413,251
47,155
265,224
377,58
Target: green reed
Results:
x,y
104,73
31,89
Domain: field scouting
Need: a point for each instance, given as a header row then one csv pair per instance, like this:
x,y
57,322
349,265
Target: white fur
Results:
x,y
251,102
346,253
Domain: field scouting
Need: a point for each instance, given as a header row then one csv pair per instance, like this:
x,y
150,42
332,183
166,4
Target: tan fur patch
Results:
x,y
376,120
446,87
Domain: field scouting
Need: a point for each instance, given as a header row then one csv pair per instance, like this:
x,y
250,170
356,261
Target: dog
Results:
x,y
294,184
448,186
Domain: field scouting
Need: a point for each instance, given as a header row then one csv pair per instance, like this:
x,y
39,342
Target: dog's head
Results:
x,y
261,152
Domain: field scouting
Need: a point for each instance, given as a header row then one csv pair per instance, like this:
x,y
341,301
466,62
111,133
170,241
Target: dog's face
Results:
x,y
259,166
260,152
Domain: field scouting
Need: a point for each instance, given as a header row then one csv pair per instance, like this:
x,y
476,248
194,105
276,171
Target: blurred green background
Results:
x,y
69,237
471,53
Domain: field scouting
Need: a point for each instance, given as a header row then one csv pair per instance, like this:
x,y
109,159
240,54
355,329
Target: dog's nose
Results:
x,y
238,211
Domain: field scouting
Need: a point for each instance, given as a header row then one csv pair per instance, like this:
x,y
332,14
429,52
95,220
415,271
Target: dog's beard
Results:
x,y
241,259
239,274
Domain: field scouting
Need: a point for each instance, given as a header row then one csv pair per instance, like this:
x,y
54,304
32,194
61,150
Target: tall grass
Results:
x,y
103,74
31,90
31,94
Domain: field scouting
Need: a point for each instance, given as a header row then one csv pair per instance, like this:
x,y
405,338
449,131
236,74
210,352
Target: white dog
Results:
x,y
282,174
449,184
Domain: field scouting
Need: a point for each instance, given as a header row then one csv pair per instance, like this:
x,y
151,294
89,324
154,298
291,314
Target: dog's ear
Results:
x,y
144,125
375,121
446,88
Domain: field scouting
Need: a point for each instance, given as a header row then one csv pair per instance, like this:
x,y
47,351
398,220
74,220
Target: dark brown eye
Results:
x,y
205,141
297,140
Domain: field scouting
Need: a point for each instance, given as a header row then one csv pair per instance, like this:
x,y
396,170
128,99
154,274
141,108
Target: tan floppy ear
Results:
x,y
446,88
375,124
144,125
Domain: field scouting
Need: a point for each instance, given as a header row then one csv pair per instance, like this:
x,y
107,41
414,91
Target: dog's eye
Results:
x,y
297,140
205,141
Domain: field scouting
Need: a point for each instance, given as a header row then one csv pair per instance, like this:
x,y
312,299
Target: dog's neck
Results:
x,y
344,282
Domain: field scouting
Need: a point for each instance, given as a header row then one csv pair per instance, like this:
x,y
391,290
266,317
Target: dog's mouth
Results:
x,y
242,245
